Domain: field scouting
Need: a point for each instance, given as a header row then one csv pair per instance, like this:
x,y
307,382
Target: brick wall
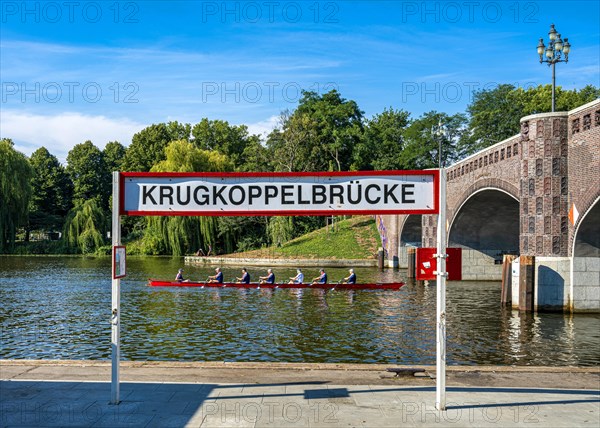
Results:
x,y
584,160
544,185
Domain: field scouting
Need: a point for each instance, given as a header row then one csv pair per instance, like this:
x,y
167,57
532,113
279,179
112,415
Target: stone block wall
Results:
x,y
403,257
480,265
586,284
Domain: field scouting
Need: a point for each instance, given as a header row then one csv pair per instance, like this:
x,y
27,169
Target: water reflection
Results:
x,y
58,308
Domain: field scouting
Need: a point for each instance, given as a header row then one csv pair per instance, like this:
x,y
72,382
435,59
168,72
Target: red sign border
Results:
x,y
124,175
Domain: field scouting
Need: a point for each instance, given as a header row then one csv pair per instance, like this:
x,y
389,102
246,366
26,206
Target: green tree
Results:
x,y
219,135
256,157
148,146
423,137
336,127
383,141
281,230
86,227
539,99
15,192
180,235
292,145
184,156
114,154
51,192
179,131
87,170
495,114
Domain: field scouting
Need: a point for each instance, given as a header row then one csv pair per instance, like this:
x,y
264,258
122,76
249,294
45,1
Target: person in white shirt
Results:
x,y
298,279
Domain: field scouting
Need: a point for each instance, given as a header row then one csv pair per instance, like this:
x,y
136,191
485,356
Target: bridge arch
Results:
x,y
482,184
487,220
585,266
586,238
411,231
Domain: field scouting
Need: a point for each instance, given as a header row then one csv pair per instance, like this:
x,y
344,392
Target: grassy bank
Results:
x,y
354,238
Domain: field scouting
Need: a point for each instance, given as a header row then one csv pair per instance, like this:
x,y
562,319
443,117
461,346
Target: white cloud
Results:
x,y
264,127
60,132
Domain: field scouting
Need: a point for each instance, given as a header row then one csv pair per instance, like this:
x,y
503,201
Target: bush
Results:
x,y
153,244
41,247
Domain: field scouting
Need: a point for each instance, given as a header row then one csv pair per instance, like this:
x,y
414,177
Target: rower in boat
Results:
x,y
217,278
269,279
245,279
321,279
179,277
298,279
351,279
202,284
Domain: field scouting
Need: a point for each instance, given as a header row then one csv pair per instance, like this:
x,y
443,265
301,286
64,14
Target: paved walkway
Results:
x,y
30,398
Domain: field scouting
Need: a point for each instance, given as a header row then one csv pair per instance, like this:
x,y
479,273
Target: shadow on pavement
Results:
x,y
61,403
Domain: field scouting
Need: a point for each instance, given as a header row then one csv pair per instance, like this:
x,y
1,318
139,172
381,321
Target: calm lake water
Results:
x,y
59,308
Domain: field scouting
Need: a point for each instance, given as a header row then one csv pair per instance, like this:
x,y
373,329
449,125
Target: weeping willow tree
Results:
x,y
15,192
181,235
281,229
86,227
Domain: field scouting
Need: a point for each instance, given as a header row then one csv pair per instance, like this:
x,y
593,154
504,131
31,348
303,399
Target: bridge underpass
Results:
x,y
486,227
412,231
487,221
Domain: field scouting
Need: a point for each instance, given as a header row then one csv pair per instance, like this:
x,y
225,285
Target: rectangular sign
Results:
x,y
270,194
119,262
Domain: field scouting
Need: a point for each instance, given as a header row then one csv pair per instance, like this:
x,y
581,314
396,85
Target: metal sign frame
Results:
x,y
130,180
439,207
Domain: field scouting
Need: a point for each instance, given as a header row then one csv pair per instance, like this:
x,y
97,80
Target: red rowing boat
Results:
x,y
332,286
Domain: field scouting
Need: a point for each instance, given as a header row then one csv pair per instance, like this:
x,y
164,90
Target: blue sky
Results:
x,y
72,71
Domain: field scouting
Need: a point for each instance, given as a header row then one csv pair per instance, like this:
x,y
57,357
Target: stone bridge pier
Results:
x,y
535,194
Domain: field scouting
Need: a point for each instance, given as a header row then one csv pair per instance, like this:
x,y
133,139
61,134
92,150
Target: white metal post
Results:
x,y
116,295
440,391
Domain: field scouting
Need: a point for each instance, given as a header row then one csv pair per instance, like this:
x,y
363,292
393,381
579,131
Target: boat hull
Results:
x,y
364,286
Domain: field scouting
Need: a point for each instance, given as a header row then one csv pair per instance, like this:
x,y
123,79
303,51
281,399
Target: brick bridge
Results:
x,y
514,198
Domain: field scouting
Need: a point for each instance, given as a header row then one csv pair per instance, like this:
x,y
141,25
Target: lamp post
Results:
x,y
554,53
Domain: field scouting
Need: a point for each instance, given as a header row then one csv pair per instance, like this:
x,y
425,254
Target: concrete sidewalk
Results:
x,y
71,394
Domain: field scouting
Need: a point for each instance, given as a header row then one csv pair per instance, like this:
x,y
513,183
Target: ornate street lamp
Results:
x,y
554,53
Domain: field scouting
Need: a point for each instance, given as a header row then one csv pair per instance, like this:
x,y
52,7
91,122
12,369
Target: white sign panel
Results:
x,y
280,194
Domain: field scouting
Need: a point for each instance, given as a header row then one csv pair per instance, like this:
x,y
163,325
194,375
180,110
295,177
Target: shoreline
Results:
x,y
264,372
238,261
